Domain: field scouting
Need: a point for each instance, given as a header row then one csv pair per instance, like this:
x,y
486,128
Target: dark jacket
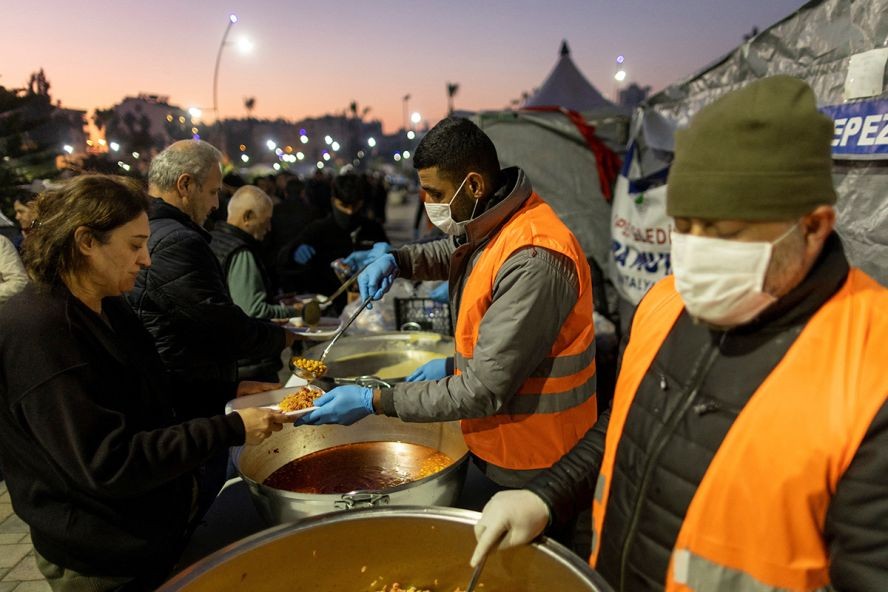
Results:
x,y
183,301
91,462
229,241
330,242
287,220
641,526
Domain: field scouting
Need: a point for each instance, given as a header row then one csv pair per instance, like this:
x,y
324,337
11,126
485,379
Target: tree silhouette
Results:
x,y
452,89
28,138
249,105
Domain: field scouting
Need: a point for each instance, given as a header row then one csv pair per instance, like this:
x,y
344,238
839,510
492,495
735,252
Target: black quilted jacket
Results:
x,y
183,301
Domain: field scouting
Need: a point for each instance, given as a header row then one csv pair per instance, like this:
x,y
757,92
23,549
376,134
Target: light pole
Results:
x,y
232,18
405,99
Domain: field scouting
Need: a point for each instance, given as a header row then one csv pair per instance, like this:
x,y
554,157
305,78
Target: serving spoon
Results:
x,y
312,369
329,299
476,573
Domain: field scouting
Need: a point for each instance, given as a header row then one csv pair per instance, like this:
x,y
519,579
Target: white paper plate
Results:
x,y
325,329
293,414
266,398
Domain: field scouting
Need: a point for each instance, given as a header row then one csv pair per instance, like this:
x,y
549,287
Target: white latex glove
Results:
x,y
521,514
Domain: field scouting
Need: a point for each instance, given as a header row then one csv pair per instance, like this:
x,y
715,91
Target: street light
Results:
x,y
232,18
619,76
406,99
415,118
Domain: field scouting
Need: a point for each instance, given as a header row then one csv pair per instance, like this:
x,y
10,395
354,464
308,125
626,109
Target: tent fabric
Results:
x,y
567,87
814,44
561,167
606,160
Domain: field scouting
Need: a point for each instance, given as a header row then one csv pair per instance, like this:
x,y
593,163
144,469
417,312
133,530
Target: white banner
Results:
x,y
640,244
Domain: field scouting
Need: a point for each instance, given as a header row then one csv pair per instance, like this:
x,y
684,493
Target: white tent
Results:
x,y
567,87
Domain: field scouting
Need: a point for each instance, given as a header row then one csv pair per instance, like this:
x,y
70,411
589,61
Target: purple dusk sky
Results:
x,y
312,58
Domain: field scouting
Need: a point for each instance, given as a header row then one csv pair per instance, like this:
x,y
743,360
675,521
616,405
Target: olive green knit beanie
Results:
x,y
759,153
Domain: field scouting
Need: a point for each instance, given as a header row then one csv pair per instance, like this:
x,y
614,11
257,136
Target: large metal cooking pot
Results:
x,y
364,550
276,506
390,356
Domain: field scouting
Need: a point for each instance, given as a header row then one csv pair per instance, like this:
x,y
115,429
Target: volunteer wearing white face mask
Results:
x,y
523,379
745,449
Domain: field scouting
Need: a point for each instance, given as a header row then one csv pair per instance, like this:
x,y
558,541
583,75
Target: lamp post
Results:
x,y
405,99
232,18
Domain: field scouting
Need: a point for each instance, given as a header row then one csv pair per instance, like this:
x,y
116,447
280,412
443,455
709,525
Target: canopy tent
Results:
x,y
567,87
835,46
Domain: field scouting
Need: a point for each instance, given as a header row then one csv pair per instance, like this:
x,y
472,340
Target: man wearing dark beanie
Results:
x,y
747,445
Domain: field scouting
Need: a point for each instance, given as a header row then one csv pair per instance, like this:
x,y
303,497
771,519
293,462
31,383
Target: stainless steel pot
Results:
x,y
364,550
276,506
390,356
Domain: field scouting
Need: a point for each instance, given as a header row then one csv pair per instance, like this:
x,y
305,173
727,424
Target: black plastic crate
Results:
x,y
429,314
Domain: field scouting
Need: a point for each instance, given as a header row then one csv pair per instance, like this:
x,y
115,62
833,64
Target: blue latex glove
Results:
x,y
441,293
343,405
378,277
431,370
303,254
359,259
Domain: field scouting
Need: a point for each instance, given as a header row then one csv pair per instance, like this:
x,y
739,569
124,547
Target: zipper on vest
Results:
x,y
704,363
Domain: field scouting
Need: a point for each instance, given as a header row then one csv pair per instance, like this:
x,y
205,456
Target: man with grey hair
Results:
x,y
183,300
237,244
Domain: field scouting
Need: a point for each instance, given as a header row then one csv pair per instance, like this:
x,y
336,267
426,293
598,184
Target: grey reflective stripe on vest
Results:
x,y
599,488
525,403
600,484
552,367
701,575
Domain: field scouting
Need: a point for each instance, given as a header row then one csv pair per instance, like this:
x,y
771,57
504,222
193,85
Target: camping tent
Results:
x,y
837,46
562,165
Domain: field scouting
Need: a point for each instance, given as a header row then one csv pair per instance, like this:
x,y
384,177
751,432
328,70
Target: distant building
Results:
x,y
633,95
145,124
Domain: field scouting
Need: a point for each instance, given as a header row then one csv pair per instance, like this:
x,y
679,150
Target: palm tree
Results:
x,y
452,88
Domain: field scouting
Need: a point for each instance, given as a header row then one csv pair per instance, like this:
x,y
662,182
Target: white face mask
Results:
x,y
440,215
721,281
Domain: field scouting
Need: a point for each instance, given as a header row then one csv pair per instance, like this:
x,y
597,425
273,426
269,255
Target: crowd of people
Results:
x,y
745,449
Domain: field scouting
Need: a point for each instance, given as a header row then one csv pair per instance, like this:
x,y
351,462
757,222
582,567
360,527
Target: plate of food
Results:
x,y
266,398
323,330
299,402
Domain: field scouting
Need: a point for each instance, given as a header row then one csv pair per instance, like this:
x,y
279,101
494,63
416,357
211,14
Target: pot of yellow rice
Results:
x,y
383,549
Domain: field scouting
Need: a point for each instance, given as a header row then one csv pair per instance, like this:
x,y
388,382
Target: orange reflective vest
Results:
x,y
756,520
561,391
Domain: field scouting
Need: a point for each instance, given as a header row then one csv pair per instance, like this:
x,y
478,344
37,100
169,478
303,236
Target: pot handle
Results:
x,y
349,501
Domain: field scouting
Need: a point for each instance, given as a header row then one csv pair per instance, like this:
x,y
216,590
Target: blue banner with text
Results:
x,y
861,129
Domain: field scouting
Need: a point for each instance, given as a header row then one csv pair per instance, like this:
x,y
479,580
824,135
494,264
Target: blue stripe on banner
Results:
x,y
861,129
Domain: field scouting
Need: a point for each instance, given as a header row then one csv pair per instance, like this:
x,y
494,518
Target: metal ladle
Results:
x,y
311,311
308,375
476,573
